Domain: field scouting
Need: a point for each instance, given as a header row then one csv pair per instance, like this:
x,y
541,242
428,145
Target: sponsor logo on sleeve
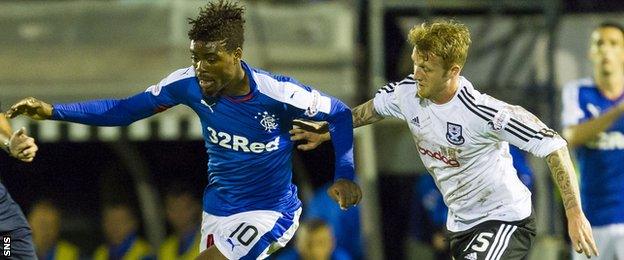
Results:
x,y
500,120
154,89
312,109
547,132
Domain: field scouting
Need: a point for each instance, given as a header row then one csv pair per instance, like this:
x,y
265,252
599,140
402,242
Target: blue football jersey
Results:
x,y
600,160
246,137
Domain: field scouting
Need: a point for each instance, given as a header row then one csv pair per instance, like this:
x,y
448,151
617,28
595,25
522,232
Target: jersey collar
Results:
x,y
252,86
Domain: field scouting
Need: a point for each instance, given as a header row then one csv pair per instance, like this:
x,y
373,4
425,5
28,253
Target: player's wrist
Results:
x,y
574,212
47,110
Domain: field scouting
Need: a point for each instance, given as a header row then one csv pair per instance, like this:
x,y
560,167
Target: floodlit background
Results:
x,y
61,51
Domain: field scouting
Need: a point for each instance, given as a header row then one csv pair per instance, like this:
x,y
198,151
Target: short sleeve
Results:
x,y
386,101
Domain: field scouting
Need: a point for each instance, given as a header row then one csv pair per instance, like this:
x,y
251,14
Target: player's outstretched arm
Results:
x,y
365,114
18,144
579,229
31,107
584,132
103,112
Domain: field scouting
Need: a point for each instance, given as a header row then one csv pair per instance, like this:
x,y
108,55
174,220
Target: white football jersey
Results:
x,y
464,144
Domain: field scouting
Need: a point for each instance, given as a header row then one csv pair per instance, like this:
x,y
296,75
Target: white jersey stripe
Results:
x,y
500,254
292,94
500,243
173,77
501,229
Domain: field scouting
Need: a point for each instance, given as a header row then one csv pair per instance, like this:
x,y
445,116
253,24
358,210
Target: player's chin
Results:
x,y
422,94
210,92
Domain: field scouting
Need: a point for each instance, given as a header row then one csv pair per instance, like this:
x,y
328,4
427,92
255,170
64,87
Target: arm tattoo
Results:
x,y
563,172
365,114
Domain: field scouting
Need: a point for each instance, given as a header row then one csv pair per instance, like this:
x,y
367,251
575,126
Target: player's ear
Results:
x,y
454,70
238,53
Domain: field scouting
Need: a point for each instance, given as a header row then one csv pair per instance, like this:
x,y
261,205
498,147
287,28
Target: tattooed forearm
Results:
x,y
563,172
365,114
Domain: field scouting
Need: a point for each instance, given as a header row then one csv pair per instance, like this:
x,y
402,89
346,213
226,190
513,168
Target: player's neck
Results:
x,y
240,85
611,86
448,93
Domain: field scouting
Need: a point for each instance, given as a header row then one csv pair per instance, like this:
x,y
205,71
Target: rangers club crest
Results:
x,y
267,120
454,133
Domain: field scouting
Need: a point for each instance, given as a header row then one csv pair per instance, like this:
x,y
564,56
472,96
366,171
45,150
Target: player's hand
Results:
x,y
346,193
31,107
581,235
315,133
313,139
312,126
22,146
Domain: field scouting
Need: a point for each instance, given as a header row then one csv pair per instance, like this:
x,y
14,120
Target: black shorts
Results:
x,y
494,240
14,230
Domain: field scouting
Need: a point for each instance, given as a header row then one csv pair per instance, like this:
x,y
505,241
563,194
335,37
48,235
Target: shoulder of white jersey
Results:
x,y
391,87
288,90
473,100
501,116
175,76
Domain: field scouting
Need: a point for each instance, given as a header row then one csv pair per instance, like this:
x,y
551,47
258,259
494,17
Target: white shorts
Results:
x,y
609,240
248,235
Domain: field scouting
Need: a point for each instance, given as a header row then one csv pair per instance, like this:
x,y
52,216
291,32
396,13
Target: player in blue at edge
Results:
x,y
593,122
250,205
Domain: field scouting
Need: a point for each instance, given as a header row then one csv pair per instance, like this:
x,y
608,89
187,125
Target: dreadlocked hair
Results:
x,y
221,20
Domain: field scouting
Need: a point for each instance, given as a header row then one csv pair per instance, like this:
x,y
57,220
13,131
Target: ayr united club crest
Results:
x,y
267,120
454,134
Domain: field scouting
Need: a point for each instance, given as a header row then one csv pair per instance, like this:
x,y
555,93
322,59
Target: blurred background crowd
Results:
x,y
139,187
